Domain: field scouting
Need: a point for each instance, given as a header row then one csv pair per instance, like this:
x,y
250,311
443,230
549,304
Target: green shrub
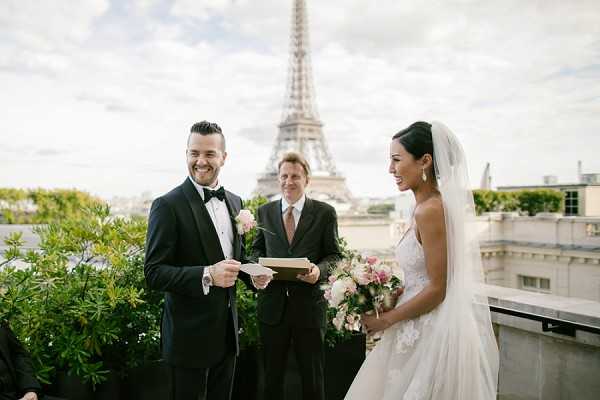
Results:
x,y
525,201
245,297
81,304
332,335
542,200
40,206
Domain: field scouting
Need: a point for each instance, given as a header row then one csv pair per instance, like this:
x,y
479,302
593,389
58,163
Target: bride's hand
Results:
x,y
389,303
373,324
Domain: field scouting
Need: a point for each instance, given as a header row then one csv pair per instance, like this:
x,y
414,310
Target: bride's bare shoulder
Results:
x,y
430,212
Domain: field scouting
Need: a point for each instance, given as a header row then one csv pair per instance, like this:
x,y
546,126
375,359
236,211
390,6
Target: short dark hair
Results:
x,y
205,128
417,140
296,158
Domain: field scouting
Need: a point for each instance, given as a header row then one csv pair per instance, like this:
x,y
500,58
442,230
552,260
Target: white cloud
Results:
x,y
203,10
101,96
49,25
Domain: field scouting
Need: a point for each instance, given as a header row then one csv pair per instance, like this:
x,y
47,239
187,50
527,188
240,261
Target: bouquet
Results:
x,y
359,285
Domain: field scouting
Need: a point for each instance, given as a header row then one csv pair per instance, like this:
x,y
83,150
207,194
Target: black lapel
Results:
x,y
208,234
277,216
234,210
306,219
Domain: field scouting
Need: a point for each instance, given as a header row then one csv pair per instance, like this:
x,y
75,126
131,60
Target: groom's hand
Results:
x,y
224,273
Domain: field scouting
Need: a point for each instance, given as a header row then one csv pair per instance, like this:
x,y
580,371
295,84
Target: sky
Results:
x,y
99,95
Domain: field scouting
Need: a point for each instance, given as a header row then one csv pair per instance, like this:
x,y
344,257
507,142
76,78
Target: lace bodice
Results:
x,y
410,257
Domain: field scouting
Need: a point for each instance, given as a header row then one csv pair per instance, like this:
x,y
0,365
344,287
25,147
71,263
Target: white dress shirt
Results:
x,y
296,211
219,214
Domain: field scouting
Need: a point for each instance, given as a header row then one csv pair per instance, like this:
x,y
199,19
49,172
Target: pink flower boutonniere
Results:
x,y
245,222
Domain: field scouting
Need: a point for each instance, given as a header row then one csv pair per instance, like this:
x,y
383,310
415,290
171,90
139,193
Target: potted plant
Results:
x,y
80,303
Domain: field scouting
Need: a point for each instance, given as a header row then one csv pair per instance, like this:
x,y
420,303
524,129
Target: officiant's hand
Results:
x,y
373,324
224,273
261,281
312,276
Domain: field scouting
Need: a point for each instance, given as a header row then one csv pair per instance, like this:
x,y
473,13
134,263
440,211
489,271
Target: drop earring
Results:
x,y
424,176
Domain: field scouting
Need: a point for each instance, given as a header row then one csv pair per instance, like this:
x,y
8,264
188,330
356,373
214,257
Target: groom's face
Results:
x,y
205,156
292,180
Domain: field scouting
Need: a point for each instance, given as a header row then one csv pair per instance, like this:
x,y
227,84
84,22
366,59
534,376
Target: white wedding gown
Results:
x,y
449,353
391,370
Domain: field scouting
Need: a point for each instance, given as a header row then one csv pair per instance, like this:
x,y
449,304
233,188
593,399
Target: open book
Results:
x,y
286,268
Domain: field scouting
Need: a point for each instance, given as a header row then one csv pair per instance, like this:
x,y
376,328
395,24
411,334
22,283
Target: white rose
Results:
x,y
338,290
339,319
360,275
398,273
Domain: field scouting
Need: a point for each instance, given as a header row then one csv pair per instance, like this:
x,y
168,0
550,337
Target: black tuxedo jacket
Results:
x,y
316,237
181,242
20,377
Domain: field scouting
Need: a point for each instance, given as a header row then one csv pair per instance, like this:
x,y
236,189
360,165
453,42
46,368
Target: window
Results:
x,y
534,284
592,229
529,282
571,202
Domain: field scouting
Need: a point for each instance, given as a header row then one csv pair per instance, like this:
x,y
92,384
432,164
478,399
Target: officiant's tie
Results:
x,y
290,224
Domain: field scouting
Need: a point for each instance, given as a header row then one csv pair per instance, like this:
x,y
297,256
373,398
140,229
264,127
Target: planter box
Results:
x,y
72,388
152,382
148,382
342,363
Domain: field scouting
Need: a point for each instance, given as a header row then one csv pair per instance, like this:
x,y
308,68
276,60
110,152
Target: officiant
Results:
x,y
292,314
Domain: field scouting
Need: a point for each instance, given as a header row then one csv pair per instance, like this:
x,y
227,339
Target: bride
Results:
x,y
438,342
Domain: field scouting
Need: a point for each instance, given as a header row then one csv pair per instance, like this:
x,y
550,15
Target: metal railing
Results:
x,y
549,324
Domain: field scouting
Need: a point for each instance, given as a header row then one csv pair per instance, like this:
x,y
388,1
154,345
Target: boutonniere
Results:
x,y
245,222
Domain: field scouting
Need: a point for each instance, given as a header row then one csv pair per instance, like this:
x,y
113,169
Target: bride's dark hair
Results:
x,y
416,139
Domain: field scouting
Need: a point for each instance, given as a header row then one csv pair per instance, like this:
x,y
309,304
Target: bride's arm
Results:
x,y
432,229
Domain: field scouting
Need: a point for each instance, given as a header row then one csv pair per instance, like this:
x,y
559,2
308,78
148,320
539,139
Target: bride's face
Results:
x,y
406,170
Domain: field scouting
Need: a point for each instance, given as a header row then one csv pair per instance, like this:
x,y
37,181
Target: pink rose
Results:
x,y
383,276
245,222
350,285
360,275
371,260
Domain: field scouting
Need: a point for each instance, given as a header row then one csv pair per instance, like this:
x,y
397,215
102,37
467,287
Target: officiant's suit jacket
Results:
x,y
181,241
316,237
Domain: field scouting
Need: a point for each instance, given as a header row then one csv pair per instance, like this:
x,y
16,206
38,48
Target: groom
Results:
x,y
193,254
292,314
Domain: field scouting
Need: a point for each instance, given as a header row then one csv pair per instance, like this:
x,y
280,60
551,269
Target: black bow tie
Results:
x,y
209,194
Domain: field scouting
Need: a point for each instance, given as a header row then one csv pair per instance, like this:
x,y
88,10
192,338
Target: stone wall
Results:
x,y
537,365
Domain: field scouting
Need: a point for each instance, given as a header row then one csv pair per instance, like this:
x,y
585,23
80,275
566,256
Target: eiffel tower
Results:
x,y
300,129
